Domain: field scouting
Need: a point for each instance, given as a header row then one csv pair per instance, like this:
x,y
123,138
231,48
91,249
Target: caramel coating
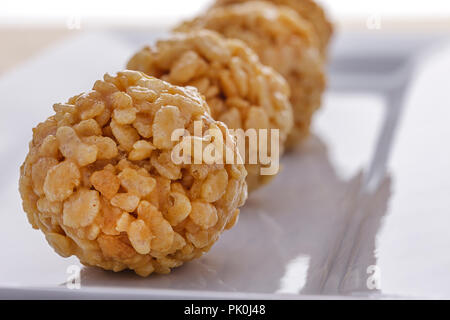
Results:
x,y
308,10
284,41
240,91
99,182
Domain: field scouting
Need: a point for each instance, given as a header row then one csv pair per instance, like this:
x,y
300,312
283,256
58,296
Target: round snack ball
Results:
x,y
308,10
99,181
240,91
284,41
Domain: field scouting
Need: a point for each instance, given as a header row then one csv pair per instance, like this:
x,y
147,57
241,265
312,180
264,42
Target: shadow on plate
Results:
x,y
307,232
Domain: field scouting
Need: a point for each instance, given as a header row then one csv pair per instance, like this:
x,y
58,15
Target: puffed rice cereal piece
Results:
x,y
101,185
308,10
284,41
240,91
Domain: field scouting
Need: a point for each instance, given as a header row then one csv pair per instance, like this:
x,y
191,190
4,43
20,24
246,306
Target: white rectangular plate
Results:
x,y
342,219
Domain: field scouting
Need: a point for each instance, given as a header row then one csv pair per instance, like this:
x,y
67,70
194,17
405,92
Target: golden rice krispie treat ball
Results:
x,y
308,10
284,41
240,91
100,183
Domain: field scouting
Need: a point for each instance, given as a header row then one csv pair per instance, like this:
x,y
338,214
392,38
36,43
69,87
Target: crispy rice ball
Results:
x,y
308,10
240,91
283,40
99,181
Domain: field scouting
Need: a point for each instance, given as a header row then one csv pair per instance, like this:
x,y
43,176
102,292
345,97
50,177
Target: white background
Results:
x,y
161,13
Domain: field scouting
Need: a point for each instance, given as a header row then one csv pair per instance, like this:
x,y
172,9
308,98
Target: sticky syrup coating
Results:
x,y
240,91
283,40
308,10
99,181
